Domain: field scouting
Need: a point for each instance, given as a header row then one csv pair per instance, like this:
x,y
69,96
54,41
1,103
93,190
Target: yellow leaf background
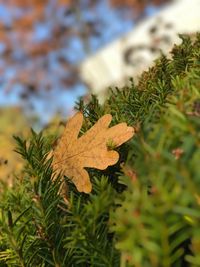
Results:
x,y
12,122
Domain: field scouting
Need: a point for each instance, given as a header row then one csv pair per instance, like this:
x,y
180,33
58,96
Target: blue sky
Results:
x,y
113,25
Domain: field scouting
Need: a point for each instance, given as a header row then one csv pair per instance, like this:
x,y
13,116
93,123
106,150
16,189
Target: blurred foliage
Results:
x,y
145,210
12,122
158,223
136,7
49,39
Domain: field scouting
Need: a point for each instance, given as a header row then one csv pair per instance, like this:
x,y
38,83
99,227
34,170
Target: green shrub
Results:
x,y
142,212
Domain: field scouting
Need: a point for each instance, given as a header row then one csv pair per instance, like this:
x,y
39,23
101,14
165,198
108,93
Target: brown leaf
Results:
x,y
73,154
129,172
177,152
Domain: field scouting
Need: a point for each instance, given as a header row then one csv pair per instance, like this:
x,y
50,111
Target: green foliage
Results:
x,y
157,224
142,212
39,229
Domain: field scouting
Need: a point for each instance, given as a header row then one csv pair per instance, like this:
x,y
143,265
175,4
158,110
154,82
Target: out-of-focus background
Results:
x,y
54,51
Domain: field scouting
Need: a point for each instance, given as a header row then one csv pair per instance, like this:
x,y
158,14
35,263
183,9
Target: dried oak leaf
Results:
x,y
73,154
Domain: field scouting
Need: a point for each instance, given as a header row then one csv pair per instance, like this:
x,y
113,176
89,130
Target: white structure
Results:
x,y
136,51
